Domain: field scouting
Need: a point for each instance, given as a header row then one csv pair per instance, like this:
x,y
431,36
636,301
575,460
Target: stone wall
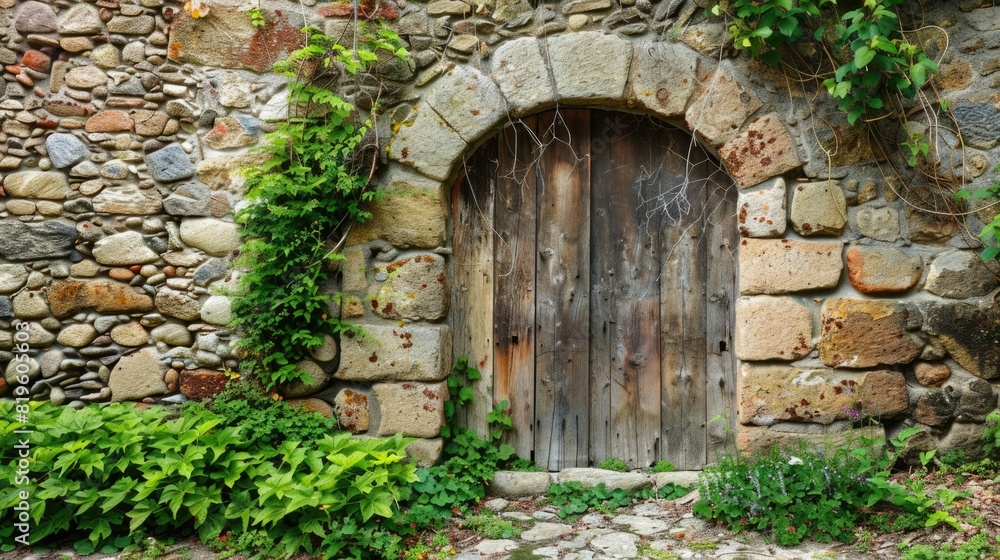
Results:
x,y
124,124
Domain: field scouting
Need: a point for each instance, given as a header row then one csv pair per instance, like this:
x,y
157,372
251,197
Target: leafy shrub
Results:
x,y
102,473
265,420
663,466
614,464
819,494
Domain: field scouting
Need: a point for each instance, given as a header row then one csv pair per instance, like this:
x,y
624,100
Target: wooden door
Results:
x,y
595,274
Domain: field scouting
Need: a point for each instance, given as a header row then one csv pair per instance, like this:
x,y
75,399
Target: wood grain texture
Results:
x,y
607,300
562,306
603,295
514,270
682,320
628,252
722,240
472,299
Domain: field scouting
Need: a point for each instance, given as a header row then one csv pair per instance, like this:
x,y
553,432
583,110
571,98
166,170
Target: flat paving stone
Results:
x,y
490,547
616,545
546,531
641,525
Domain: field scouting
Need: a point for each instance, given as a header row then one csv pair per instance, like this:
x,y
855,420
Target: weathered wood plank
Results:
x,y
514,271
472,294
602,292
682,318
632,269
722,241
562,291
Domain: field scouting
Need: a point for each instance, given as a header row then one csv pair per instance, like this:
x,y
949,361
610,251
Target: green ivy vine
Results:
x,y
868,49
304,198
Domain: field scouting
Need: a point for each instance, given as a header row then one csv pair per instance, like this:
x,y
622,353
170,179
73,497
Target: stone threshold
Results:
x,y
519,484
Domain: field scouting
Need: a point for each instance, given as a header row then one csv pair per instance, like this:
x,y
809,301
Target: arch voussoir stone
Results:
x,y
425,142
468,100
664,79
522,74
589,67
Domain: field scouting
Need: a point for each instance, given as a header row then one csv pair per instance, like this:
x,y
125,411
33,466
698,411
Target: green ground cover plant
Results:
x,y
263,419
468,461
104,475
614,464
574,499
822,494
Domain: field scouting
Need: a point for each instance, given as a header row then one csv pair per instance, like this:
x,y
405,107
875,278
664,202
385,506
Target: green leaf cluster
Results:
x,y
990,234
758,27
823,495
311,187
977,547
490,526
614,464
264,420
883,60
879,58
574,499
99,476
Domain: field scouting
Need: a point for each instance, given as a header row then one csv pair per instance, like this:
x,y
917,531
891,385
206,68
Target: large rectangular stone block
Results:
x,y
523,76
751,439
664,77
763,150
411,409
407,353
468,100
867,333
589,66
762,210
769,394
780,266
772,328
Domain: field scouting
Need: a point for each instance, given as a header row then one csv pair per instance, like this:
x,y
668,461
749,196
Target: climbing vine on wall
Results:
x,y
867,47
301,202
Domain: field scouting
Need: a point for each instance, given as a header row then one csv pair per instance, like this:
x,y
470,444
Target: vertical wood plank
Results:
x,y
682,317
562,291
472,294
722,241
602,291
624,175
514,273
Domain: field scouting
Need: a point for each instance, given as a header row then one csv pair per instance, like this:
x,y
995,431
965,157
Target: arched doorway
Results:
x,y
595,250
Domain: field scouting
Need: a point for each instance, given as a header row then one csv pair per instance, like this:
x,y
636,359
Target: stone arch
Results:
x,y
465,105
721,107
667,80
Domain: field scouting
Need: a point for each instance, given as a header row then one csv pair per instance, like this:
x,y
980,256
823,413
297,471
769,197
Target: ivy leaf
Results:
x,y
918,75
863,56
771,58
788,25
874,102
841,90
855,114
